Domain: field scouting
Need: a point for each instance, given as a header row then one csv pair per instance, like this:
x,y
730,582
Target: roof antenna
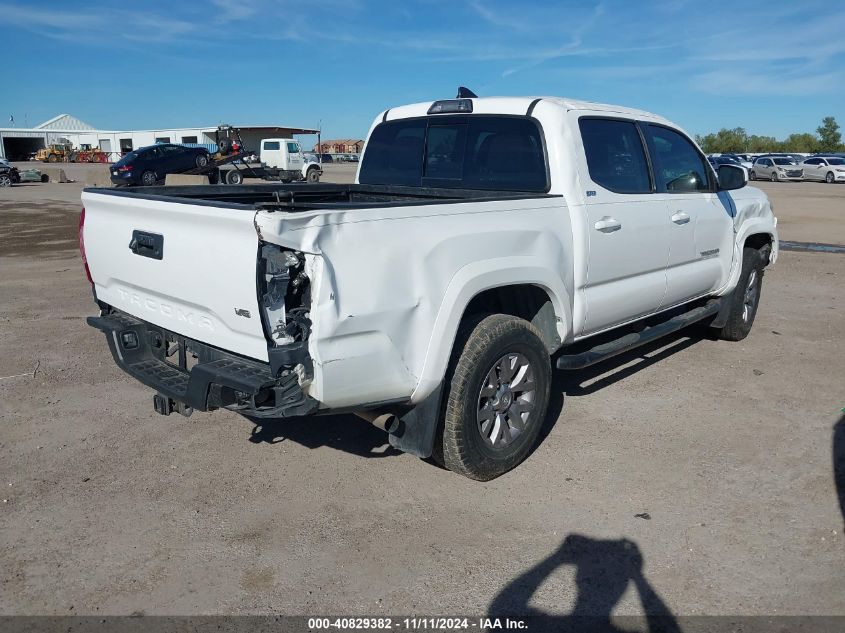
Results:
x,y
465,93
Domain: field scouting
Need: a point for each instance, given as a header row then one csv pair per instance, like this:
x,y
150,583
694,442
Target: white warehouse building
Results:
x,y
20,143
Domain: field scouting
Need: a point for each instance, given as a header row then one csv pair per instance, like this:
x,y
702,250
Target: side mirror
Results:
x,y
732,177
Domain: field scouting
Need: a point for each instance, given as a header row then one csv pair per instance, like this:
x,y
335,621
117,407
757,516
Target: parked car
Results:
x,y
825,169
742,159
776,168
148,165
378,297
326,158
725,159
9,176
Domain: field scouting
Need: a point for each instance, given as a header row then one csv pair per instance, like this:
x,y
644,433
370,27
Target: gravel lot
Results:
x,y
697,468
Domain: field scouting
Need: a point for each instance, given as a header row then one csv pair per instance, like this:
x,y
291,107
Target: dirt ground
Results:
x,y
692,476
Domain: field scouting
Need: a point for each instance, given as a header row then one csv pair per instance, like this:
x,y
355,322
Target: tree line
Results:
x,y
826,139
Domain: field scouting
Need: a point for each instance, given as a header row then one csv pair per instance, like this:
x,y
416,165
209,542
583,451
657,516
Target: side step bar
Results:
x,y
635,339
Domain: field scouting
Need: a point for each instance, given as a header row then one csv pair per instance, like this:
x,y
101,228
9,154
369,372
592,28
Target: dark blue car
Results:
x,y
148,165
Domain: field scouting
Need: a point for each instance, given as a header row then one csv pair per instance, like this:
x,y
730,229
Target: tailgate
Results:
x,y
186,267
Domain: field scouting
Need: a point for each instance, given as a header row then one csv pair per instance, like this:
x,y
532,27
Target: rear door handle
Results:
x,y
608,225
680,218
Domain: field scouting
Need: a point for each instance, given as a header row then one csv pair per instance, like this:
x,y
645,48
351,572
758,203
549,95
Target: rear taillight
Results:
x,y
125,168
82,245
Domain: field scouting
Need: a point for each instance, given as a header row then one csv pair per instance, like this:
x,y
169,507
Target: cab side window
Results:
x,y
615,155
678,167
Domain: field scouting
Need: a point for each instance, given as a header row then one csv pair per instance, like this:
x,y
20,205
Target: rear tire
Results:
x,y
234,177
752,176
202,160
500,378
745,298
148,178
829,178
52,158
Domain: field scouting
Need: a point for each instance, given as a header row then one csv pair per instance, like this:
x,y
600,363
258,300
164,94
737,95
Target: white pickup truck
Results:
x,y
483,239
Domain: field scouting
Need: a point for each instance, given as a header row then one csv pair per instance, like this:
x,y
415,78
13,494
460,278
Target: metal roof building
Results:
x,y
20,143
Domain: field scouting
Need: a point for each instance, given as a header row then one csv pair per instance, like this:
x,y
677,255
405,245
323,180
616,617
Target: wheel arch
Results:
x,y
526,301
759,241
759,233
520,287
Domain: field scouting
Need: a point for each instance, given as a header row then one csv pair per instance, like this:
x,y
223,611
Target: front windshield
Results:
x,y
784,161
836,161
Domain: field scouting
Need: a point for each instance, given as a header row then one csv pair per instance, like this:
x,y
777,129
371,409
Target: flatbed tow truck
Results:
x,y
280,159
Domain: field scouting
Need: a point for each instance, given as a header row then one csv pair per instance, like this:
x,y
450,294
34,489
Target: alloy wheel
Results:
x,y
749,299
506,401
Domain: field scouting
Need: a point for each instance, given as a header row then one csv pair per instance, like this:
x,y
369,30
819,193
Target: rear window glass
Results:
x,y
271,145
471,152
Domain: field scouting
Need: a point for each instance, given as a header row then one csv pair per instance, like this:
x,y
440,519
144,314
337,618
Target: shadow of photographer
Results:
x,y
839,463
604,570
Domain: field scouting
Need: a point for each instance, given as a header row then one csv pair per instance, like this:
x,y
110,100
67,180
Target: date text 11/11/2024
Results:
x,y
417,624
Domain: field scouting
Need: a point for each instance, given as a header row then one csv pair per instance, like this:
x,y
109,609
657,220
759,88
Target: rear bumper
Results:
x,y
123,178
198,376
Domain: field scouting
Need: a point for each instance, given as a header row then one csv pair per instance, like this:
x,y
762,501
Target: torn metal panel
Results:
x,y
393,284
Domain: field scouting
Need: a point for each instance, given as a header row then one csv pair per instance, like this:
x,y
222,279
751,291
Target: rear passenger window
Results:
x,y
272,145
615,155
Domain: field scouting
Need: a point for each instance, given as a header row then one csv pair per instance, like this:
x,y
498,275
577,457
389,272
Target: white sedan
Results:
x,y
825,169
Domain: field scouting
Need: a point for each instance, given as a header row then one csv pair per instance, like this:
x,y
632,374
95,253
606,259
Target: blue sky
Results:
x,y
771,67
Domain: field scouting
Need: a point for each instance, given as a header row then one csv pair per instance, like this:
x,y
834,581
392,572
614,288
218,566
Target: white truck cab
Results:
x,y
282,153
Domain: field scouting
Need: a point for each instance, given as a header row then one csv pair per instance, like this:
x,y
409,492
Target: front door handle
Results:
x,y
608,225
680,218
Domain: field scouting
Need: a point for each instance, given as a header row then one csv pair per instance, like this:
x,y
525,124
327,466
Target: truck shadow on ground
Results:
x,y
346,433
618,367
582,382
603,571
839,463
353,435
